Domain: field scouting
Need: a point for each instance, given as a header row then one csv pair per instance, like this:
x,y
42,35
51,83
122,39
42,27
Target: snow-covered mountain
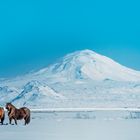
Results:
x,y
80,79
35,93
90,65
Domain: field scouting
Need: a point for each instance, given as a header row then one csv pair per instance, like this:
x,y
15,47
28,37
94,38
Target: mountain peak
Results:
x,y
87,64
86,52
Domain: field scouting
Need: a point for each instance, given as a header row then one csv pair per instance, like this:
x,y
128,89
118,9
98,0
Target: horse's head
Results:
x,y
8,106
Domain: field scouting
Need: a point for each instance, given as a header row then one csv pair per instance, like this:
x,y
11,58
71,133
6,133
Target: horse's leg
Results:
x,y
25,122
10,120
25,118
15,121
2,120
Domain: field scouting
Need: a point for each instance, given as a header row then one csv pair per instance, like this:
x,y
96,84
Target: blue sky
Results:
x,y
35,33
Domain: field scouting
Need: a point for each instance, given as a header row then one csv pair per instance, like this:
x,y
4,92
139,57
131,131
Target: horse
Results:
x,y
18,114
2,115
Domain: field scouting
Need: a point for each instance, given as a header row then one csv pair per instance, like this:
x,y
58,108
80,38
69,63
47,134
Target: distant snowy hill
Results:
x,y
80,79
34,93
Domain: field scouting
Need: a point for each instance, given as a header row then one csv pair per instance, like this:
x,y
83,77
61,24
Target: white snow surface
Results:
x,y
82,79
97,125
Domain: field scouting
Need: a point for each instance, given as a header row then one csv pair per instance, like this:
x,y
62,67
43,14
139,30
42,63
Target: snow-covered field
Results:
x,y
96,125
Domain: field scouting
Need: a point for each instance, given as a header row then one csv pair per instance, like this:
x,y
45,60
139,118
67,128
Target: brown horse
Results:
x,y
18,114
2,115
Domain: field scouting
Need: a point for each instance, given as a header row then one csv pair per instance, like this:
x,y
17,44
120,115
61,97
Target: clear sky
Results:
x,y
35,33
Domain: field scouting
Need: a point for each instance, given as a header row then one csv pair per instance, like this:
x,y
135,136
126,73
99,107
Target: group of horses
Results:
x,y
15,114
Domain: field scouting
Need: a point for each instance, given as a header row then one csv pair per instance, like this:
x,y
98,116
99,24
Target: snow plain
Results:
x,y
97,125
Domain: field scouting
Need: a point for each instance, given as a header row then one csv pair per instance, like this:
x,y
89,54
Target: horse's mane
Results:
x,y
11,105
11,108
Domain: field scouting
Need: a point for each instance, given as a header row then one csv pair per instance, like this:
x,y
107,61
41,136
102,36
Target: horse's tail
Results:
x,y
28,119
28,115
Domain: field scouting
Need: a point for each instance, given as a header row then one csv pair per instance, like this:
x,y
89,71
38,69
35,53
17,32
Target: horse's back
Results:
x,y
25,110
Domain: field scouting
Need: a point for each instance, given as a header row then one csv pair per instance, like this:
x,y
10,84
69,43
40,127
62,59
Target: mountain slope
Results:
x,y
36,93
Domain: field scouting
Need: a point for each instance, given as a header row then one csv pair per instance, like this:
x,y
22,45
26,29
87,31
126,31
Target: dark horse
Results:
x,y
18,114
2,115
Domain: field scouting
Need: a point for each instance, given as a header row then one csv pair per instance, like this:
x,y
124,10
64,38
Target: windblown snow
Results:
x,y
80,79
